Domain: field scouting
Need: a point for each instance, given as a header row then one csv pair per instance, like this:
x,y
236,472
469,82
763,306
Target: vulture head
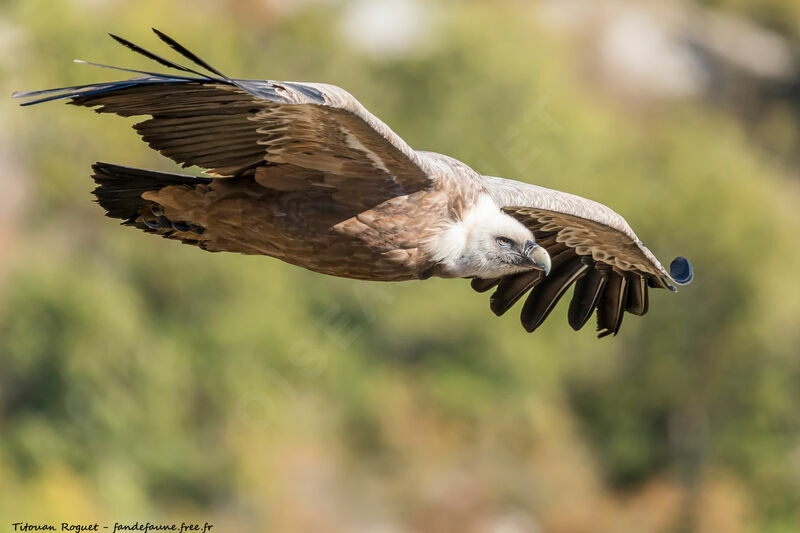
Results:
x,y
488,243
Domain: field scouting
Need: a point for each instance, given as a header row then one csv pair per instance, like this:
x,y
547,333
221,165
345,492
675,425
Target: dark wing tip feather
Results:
x,y
637,301
544,296
611,308
483,285
135,71
588,290
511,288
77,92
681,271
158,59
175,45
88,90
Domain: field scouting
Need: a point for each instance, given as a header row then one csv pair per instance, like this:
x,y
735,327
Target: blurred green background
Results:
x,y
145,380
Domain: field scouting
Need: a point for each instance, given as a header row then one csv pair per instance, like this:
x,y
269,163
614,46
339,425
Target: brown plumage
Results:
x,y
303,173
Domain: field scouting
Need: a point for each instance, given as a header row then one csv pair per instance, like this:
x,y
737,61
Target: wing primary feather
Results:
x,y
29,94
483,285
636,302
611,309
545,295
584,300
646,298
78,94
511,288
175,45
161,77
158,59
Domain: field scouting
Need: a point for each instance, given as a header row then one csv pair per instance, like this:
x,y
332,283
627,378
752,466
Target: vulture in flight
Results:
x,y
304,173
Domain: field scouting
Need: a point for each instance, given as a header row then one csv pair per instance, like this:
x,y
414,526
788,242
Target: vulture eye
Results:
x,y
504,241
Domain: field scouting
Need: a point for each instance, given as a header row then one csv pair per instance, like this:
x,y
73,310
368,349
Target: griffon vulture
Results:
x,y
304,173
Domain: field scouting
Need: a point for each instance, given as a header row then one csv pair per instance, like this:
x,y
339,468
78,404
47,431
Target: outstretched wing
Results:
x,y
591,247
285,134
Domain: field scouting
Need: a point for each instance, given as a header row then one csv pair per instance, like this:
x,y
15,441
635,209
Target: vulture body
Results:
x,y
304,173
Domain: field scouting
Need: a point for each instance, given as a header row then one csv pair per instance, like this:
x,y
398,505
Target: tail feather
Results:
x,y
119,191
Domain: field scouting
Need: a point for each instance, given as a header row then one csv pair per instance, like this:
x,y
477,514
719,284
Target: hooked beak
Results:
x,y
538,256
